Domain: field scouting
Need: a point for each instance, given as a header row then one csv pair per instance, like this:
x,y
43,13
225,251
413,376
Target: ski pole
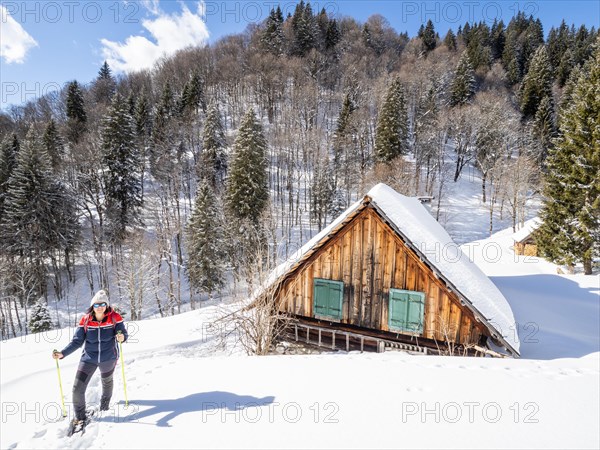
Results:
x,y
62,397
123,371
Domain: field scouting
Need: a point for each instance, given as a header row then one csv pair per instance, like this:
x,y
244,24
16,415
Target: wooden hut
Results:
x,y
524,242
386,271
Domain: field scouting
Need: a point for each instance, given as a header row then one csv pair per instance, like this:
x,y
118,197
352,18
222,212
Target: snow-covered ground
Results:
x,y
187,392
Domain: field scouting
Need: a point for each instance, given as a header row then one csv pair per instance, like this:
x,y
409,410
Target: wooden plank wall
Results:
x,y
370,258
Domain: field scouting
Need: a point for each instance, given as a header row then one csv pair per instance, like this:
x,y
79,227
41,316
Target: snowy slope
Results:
x,y
186,392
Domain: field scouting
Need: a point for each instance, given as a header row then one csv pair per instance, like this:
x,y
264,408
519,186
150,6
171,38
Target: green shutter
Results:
x,y
406,311
398,309
328,297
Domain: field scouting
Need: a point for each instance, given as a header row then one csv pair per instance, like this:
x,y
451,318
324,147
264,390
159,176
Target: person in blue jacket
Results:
x,y
98,331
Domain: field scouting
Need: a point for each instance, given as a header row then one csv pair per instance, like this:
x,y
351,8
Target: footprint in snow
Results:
x,y
39,434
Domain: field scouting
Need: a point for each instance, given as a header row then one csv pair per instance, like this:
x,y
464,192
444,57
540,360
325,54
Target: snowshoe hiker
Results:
x,y
98,331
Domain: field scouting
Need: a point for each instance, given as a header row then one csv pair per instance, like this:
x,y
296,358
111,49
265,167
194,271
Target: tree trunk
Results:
x,y
458,169
483,180
587,265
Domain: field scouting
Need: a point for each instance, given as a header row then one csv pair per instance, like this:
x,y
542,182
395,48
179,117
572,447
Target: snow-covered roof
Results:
x,y
528,227
432,243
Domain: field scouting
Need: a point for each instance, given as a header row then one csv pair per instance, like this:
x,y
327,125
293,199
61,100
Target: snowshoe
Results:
x,y
78,426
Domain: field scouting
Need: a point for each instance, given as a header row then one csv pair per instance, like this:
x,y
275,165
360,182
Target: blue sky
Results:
x,y
44,44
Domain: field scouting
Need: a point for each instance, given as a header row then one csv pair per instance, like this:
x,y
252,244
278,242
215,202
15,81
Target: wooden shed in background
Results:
x,y
386,270
524,242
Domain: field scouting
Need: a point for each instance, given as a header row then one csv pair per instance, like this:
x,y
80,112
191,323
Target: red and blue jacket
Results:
x,y
98,337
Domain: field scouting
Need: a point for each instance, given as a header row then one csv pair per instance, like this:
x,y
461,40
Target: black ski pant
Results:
x,y
82,378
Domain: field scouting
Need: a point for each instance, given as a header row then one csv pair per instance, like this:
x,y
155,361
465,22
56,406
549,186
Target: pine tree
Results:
x,y
205,264
537,84
193,95
565,67
463,84
76,115
532,39
213,151
53,145
304,27
322,189
272,39
557,44
567,94
142,118
512,65
522,38
40,318
247,184
122,176
164,136
333,35
143,130
8,159
391,135
544,126
450,41
570,231
428,37
582,45
498,39
478,46
9,151
104,86
39,216
346,164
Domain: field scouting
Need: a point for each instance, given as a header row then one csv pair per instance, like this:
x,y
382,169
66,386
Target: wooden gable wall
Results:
x,y
370,258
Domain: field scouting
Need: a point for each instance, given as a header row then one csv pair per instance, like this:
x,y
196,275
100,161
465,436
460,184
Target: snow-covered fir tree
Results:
x,y
247,182
204,232
450,40
570,232
391,134
537,83
192,97
122,175
272,39
304,28
544,125
39,218
76,114
104,86
497,39
53,145
214,157
40,317
322,189
9,150
463,84
164,137
428,37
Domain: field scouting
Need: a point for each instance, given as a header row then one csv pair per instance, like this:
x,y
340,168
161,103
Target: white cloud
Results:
x,y
170,32
15,42
151,5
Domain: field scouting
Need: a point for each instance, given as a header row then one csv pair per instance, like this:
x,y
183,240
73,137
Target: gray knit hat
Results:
x,y
100,297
